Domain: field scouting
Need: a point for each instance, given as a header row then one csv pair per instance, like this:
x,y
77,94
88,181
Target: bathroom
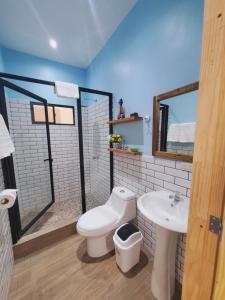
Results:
x,y
107,108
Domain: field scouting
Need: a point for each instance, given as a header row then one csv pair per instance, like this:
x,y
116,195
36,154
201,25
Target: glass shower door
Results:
x,y
97,166
32,161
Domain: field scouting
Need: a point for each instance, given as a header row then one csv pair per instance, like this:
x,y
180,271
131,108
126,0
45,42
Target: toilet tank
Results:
x,y
123,202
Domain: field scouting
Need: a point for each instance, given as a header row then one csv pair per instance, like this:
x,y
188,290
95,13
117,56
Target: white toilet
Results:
x,y
98,224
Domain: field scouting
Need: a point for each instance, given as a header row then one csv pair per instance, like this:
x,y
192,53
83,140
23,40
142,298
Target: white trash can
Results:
x,y
127,240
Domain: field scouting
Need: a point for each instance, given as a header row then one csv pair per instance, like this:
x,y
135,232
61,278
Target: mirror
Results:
x,y
174,122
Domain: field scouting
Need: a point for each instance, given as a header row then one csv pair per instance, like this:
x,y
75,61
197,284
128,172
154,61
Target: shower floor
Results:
x,y
58,214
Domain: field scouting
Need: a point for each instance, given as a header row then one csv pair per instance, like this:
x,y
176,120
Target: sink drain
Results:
x,y
167,219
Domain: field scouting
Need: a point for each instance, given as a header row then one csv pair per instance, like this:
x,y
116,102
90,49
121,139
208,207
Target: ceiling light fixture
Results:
x,y
53,43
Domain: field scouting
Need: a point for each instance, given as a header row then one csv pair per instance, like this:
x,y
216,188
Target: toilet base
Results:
x,y
99,246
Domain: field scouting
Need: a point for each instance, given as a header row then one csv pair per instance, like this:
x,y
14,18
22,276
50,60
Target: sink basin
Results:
x,y
159,207
170,218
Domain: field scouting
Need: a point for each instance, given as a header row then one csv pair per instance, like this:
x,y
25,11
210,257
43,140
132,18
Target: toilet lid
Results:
x,y
97,221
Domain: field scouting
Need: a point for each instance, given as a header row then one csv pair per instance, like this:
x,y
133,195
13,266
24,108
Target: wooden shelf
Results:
x,y
124,151
125,120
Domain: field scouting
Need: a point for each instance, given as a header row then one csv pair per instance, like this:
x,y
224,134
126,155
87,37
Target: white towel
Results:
x,y
6,144
66,89
182,133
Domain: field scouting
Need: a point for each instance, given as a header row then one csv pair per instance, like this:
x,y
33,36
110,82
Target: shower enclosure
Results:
x,y
60,170
96,111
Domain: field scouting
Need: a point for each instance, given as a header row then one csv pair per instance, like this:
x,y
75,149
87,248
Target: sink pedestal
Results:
x,y
163,274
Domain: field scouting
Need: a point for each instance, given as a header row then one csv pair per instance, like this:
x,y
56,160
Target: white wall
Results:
x,y
6,252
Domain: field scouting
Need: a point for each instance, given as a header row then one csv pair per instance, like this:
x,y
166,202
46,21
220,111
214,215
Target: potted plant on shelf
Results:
x,y
116,140
134,150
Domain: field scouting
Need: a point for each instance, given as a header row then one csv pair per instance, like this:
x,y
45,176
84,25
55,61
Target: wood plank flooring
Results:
x,y
63,271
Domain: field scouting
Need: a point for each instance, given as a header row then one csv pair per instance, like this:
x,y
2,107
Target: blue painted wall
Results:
x,y
31,66
156,48
1,61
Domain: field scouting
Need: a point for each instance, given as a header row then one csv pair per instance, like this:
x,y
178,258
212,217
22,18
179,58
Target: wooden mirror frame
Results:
x,y
156,115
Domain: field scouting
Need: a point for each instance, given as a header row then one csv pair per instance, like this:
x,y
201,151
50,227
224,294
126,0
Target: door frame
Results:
x,y
8,164
204,256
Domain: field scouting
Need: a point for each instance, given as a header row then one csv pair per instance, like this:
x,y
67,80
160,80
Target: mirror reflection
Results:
x,y
174,122
177,123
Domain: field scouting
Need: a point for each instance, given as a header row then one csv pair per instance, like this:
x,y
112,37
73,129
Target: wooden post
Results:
x,y
219,285
208,183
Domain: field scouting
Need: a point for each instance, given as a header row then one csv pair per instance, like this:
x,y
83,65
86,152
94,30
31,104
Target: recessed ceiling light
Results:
x,y
53,43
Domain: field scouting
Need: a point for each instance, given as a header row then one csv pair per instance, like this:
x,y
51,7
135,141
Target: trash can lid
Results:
x,y
126,231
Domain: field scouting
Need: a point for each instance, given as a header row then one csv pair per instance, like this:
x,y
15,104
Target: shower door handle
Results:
x,y
48,159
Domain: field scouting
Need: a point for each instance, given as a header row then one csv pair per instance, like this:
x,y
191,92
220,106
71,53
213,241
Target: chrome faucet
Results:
x,y
177,197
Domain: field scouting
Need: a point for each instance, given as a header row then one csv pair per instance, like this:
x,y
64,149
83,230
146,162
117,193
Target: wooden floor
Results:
x,y
63,271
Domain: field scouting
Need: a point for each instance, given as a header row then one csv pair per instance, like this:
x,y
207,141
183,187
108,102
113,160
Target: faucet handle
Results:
x,y
177,193
177,196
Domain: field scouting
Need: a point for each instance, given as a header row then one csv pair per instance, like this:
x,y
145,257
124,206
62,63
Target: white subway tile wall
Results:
x,y
181,148
66,161
86,148
32,173
6,253
143,174
96,153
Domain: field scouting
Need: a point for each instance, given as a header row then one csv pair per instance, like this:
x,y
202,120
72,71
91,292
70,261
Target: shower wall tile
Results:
x,y
6,252
145,174
96,153
66,161
86,148
32,173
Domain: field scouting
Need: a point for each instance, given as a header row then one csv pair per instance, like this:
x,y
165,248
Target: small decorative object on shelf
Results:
x,y
116,140
121,113
134,149
134,115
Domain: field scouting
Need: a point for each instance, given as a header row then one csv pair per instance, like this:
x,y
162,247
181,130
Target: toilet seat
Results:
x,y
97,221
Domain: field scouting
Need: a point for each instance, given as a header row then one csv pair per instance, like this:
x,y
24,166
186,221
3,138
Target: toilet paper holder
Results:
x,y
8,198
4,201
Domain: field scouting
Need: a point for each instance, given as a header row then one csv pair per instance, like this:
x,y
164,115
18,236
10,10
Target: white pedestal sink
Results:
x,y
171,218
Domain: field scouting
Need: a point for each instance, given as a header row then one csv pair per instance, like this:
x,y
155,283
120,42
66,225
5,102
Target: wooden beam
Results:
x,y
208,184
124,151
125,120
179,91
171,155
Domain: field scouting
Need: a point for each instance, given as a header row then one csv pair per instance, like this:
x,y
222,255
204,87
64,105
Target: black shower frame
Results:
x,y
7,163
